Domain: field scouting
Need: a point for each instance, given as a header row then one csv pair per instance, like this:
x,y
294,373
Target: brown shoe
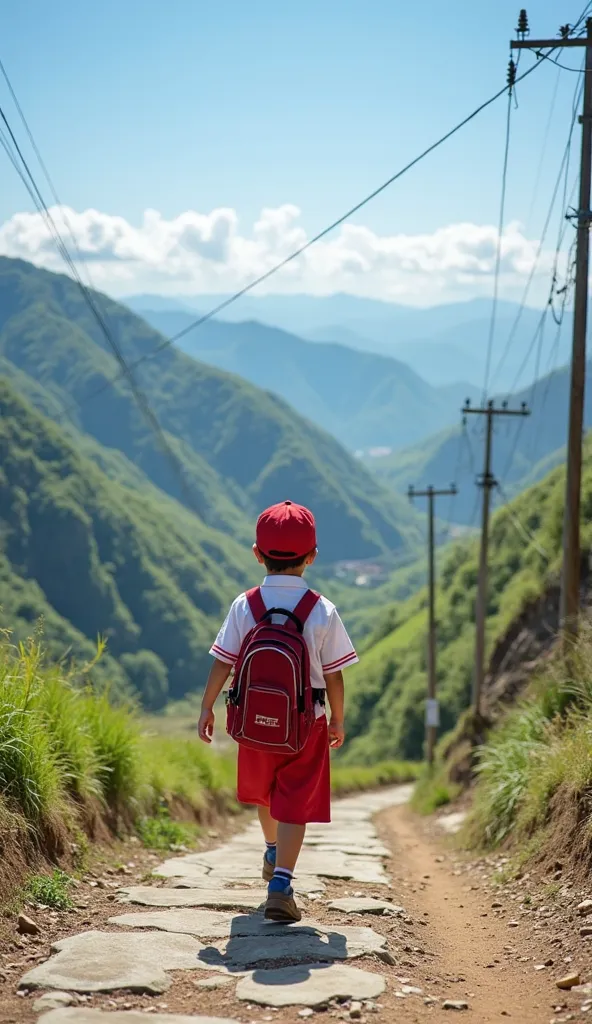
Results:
x,y
281,907
267,873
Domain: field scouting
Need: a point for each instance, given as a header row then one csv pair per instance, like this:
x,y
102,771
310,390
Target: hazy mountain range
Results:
x,y
364,399
443,344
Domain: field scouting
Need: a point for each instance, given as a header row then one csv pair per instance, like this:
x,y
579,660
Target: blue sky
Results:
x,y
195,106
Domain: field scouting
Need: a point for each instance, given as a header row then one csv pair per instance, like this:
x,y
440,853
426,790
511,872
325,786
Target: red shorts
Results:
x,y
295,787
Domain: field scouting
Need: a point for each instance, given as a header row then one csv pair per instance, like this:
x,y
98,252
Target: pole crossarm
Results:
x,y
546,44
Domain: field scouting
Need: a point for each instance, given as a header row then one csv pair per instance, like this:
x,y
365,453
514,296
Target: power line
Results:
x,y
563,168
320,235
523,530
535,191
140,397
498,256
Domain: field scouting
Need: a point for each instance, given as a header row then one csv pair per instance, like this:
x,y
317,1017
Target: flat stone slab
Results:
x,y
364,850
240,899
302,885
364,905
252,940
78,1015
308,985
106,962
301,946
215,924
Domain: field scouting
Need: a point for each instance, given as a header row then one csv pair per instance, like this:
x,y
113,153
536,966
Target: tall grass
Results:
x,y
65,748
542,748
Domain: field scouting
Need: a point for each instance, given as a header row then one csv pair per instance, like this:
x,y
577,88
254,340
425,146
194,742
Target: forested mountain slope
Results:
x,y
363,399
239,448
386,692
523,451
94,556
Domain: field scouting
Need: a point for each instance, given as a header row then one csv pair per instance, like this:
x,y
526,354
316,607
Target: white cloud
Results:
x,y
206,252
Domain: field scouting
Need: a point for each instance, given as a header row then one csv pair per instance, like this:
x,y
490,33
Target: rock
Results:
x,y
300,944
570,981
80,1015
306,1012
309,985
386,956
411,990
585,930
241,899
106,962
455,1004
364,905
513,924
26,926
52,1001
497,905
585,908
211,983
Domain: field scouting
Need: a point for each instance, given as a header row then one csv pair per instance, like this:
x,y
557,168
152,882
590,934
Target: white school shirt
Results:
x,y
329,646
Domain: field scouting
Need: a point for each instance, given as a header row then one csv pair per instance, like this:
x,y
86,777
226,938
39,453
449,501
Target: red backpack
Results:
x,y
270,704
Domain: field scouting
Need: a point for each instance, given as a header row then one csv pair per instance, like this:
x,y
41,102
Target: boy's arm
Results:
x,y
336,697
219,673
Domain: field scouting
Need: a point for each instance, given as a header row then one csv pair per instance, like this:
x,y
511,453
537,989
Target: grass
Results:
x,y
537,764
67,753
348,778
161,832
51,890
433,791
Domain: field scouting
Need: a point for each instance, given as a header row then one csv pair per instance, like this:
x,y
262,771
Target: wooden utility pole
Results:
x,y
487,481
570,581
432,715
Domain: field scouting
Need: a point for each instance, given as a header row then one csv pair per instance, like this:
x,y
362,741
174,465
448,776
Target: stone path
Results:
x,y
202,919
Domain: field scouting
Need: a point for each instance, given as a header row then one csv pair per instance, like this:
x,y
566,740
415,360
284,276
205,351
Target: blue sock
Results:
x,y
270,853
281,881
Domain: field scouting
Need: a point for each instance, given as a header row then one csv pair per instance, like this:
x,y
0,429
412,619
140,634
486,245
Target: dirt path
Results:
x,y
497,948
473,955
447,934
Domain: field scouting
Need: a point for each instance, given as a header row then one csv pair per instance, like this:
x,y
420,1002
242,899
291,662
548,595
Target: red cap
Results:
x,y
286,531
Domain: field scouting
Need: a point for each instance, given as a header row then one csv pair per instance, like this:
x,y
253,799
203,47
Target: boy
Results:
x,y
289,790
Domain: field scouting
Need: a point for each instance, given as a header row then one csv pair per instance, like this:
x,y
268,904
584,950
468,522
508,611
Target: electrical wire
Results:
x,y
563,169
167,342
140,397
498,255
547,133
524,532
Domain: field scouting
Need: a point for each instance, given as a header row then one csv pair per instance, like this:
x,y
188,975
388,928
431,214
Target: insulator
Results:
x,y
565,31
523,29
511,77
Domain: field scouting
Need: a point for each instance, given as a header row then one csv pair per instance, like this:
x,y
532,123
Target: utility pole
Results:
x,y
432,714
570,581
487,482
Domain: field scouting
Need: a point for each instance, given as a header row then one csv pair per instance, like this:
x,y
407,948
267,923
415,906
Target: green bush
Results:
x,y
51,890
541,748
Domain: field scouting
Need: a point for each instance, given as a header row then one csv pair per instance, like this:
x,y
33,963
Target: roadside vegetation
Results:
x,y
75,766
535,770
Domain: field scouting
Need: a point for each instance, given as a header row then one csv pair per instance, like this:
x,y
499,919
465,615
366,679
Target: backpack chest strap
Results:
x,y
302,610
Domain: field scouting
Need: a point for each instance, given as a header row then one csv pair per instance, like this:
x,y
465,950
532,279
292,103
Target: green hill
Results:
x,y
92,555
524,450
239,448
363,399
386,691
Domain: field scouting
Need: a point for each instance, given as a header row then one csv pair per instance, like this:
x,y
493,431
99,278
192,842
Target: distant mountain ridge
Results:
x,y
523,451
443,344
363,399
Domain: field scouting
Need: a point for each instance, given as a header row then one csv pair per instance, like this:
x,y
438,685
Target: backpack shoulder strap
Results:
x,y
306,604
256,603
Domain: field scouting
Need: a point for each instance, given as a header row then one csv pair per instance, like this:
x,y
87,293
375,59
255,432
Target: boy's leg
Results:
x,y
289,844
269,827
